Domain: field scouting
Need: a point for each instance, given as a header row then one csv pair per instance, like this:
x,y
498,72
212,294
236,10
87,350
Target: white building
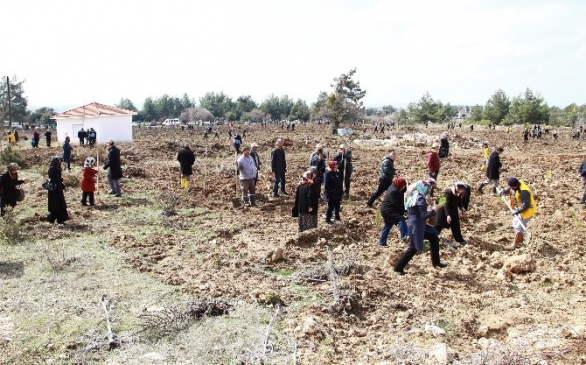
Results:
x,y
109,123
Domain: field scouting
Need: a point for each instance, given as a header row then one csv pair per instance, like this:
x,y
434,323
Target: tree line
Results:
x,y
343,104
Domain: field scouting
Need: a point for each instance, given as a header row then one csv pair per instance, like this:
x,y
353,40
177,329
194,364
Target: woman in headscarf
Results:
x,y
332,192
56,202
416,207
457,202
392,210
306,202
8,182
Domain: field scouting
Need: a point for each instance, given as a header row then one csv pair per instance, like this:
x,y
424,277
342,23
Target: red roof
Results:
x,y
93,110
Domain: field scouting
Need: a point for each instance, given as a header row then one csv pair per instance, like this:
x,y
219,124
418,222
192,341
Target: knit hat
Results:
x,y
332,164
400,183
513,181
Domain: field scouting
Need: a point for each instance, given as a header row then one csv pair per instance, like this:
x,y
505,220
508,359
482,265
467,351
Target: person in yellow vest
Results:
x,y
522,201
11,138
486,154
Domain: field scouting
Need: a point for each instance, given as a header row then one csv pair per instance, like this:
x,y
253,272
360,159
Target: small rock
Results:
x,y
434,330
278,255
439,352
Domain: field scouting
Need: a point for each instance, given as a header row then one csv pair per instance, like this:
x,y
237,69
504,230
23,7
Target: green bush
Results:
x,y
10,155
10,229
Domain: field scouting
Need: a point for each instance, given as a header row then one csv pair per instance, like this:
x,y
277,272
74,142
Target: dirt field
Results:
x,y
158,248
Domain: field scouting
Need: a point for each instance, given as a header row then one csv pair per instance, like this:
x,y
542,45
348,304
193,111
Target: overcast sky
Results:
x,y
71,53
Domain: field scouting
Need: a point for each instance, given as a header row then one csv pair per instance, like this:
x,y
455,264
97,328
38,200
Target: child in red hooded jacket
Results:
x,y
88,181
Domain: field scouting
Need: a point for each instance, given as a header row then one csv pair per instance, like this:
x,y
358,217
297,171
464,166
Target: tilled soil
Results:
x,y
342,301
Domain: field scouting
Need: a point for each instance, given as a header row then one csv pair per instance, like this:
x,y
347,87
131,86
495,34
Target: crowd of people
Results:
x,y
413,208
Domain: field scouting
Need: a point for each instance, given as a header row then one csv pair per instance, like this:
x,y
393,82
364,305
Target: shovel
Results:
x,y
526,233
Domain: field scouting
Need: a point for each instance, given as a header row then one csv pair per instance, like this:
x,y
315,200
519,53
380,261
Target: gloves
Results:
x,y
516,212
500,192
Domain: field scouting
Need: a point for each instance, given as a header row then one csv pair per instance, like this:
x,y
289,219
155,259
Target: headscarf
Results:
x,y
421,187
13,175
400,183
89,162
56,162
306,178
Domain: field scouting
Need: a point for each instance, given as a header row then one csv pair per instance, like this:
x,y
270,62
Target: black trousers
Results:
x,y
408,255
383,185
442,222
85,196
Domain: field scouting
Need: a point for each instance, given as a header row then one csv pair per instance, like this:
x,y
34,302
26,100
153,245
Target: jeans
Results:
x,y
279,178
67,160
114,185
401,224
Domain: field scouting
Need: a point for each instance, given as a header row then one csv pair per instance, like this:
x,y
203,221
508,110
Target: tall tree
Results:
x,y
149,111
186,102
300,111
344,104
497,107
126,104
18,102
218,104
244,104
272,105
529,109
426,109
475,114
319,109
41,116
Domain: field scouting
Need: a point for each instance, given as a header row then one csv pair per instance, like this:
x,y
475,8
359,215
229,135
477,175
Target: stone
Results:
x,y
439,353
434,330
516,265
278,255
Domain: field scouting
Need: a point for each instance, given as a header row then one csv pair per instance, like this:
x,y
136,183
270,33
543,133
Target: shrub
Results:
x,y
10,228
10,155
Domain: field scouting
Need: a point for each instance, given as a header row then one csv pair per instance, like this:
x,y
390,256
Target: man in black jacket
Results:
x,y
386,176
279,167
186,160
344,161
492,171
115,166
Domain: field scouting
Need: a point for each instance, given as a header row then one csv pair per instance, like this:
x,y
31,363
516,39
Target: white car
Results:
x,y
174,121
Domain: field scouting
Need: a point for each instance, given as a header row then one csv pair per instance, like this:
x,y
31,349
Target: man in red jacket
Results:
x,y
433,163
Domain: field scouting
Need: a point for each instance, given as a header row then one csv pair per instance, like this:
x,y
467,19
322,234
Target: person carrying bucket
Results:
x,y
522,205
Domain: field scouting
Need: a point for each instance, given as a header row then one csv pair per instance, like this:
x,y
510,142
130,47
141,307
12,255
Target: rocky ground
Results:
x,y
333,295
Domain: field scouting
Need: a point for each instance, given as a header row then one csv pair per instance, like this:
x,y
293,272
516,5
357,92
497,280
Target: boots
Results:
x,y
252,198
407,256
246,199
481,186
182,181
494,190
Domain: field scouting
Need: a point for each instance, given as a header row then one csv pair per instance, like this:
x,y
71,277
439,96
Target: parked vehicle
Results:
x,y
174,121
